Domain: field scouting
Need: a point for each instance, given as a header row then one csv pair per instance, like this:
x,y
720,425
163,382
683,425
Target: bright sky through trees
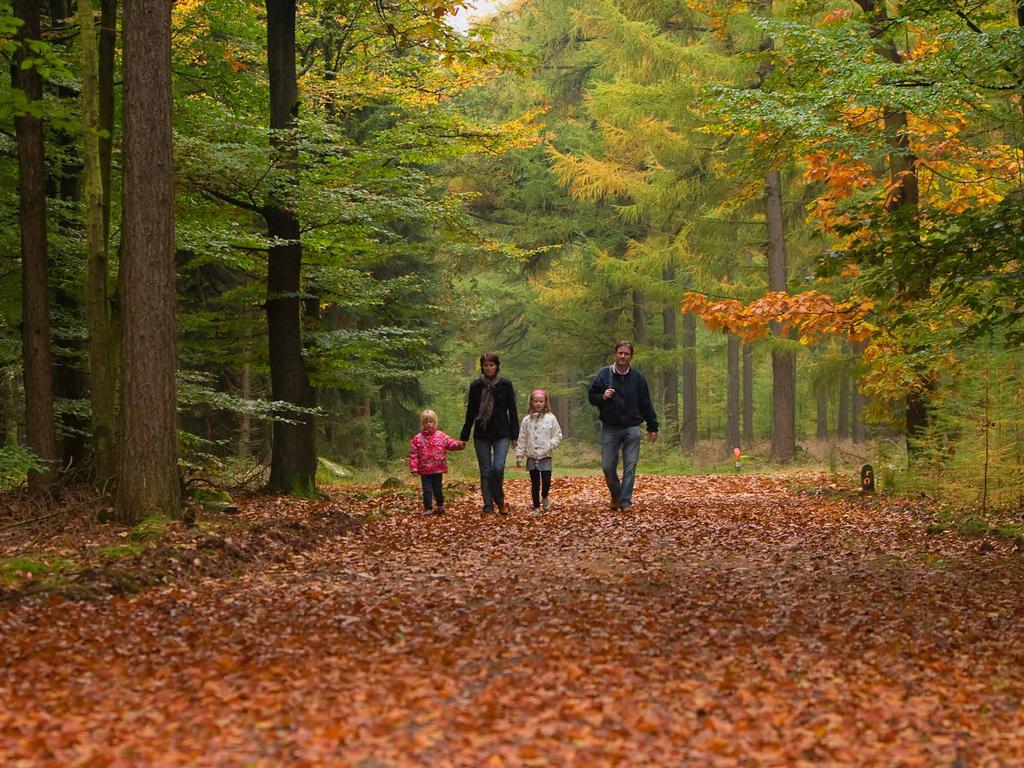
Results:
x,y
473,12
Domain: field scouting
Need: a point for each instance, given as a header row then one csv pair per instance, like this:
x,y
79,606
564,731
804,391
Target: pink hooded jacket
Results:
x,y
427,452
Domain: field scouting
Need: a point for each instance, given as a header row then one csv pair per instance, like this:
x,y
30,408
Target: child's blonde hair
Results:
x,y
427,415
547,401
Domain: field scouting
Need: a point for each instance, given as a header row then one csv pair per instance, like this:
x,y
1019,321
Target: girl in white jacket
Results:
x,y
539,435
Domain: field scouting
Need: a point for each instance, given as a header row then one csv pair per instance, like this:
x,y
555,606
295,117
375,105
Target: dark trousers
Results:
x,y
540,485
432,489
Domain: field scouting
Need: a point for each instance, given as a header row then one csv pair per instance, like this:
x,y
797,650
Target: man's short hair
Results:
x,y
624,343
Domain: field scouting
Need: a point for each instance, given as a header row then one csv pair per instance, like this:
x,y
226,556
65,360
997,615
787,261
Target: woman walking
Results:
x,y
491,415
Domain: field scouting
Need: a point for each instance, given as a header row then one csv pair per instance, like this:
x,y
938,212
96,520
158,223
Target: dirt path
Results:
x,y
726,621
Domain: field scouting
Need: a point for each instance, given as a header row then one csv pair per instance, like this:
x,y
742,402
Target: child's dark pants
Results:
x,y
432,489
540,485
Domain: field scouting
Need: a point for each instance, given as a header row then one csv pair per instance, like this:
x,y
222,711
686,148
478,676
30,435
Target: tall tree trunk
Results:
x,y
843,411
822,421
670,374
35,322
748,395
101,367
783,361
859,401
107,53
148,479
70,380
293,453
688,432
8,396
904,197
639,319
732,399
562,404
245,423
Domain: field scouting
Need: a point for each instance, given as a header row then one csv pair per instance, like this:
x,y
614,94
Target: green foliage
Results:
x,y
15,464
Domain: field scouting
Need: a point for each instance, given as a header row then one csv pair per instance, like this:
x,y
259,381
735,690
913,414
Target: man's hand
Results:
x,y
653,436
609,393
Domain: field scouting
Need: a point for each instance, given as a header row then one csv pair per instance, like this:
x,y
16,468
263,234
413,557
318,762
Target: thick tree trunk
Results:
x,y
748,395
148,479
783,361
688,432
97,292
670,374
37,360
732,399
293,452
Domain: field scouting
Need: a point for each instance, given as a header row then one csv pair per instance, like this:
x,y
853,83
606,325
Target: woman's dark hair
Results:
x,y
490,357
624,343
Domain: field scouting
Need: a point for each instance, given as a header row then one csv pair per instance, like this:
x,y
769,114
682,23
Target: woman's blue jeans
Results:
x,y
490,457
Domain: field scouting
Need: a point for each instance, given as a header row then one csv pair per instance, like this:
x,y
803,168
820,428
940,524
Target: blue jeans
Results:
x,y
490,457
614,439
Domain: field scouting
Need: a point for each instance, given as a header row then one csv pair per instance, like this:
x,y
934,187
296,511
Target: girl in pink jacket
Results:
x,y
428,459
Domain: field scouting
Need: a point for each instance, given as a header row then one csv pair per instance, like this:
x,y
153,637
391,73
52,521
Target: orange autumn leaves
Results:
x,y
728,621
810,315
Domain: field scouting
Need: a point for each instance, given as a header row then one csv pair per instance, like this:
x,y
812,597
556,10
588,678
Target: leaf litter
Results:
x,y
725,621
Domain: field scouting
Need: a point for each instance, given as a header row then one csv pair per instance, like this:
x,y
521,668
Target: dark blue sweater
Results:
x,y
631,403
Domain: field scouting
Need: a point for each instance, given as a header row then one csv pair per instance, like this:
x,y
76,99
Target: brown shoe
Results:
x,y
614,504
504,508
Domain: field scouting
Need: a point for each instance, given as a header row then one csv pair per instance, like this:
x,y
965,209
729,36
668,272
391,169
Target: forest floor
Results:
x,y
725,621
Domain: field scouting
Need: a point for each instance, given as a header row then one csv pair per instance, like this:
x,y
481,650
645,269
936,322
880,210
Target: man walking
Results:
x,y
623,399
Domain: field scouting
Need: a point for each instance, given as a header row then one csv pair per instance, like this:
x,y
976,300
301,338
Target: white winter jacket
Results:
x,y
539,435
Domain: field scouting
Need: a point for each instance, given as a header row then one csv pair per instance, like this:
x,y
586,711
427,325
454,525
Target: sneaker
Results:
x,y
428,512
440,510
488,510
504,508
625,507
614,505
536,510
547,504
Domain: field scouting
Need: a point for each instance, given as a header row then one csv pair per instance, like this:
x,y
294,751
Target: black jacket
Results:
x,y
631,403
504,420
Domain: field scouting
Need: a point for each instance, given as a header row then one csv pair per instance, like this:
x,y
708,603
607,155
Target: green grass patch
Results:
x,y
17,570
972,527
150,529
938,562
121,551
